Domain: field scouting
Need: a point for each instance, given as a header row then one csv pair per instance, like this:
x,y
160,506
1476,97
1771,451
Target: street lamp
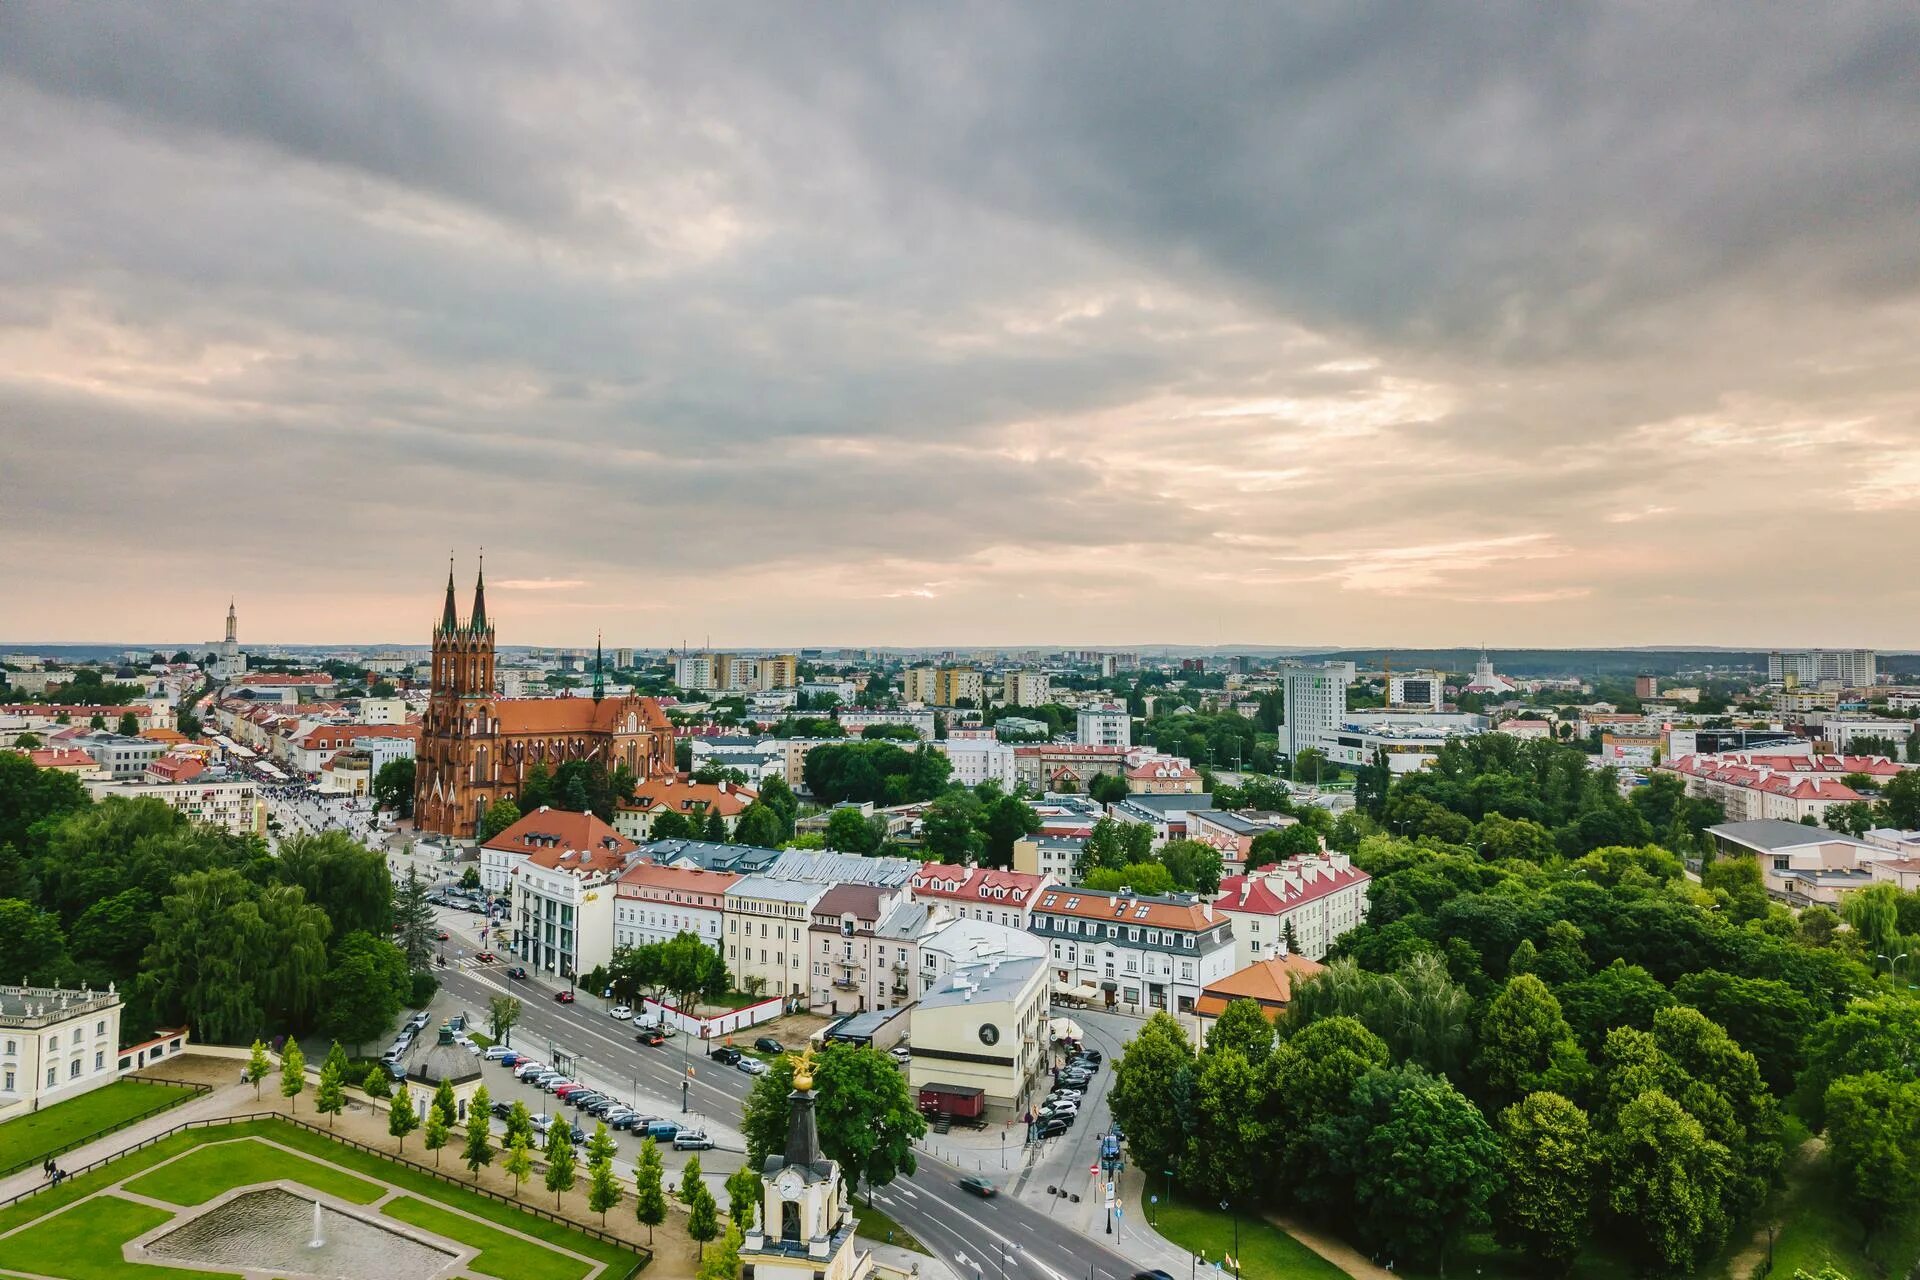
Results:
x,y
1225,1207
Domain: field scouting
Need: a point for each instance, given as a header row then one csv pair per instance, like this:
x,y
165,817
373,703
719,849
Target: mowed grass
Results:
x,y
1816,1230
37,1135
199,1176
876,1225
83,1243
1265,1250
503,1255
43,1249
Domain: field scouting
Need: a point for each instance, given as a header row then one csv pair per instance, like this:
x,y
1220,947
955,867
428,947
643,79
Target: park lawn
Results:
x,y
430,1188
218,1168
874,1224
1816,1230
33,1137
84,1243
1265,1250
501,1254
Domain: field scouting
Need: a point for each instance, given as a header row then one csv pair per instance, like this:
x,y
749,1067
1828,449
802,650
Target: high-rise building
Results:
x,y
779,672
623,659
731,671
1646,686
953,685
1418,690
694,671
1316,702
1027,688
1106,725
1848,668
918,684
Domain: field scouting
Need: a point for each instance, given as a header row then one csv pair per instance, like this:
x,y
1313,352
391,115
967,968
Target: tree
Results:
x,y
1242,1027
947,829
1139,877
724,1262
851,831
649,1197
1113,844
445,1103
519,1122
519,1162
1428,1171
703,1216
376,1084
1526,1045
226,951
436,1133
478,1151
502,1013
1665,1182
743,1198
760,826
401,1117
1873,1130
1371,784
1225,1154
258,1066
1152,1092
1621,995
1854,818
1873,913
498,816
1900,798
364,989
330,1099
562,1163
671,825
1770,1019
600,1145
603,1189
293,1073
1193,865
1005,822
413,915
715,827
1284,842
1107,788
865,1114
1548,1159
129,724
393,787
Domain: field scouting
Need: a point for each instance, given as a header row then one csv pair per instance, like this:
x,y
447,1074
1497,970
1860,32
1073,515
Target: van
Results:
x,y
662,1129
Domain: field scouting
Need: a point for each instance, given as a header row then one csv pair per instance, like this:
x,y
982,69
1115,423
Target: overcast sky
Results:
x,y
1071,323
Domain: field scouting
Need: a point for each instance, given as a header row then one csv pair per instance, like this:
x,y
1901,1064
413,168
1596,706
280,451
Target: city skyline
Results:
x,y
1544,328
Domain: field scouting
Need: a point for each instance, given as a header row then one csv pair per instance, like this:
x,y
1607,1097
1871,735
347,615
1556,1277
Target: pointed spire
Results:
x,y
450,616
479,620
599,671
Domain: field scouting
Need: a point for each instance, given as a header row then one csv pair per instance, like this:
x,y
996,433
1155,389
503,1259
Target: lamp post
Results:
x,y
1225,1207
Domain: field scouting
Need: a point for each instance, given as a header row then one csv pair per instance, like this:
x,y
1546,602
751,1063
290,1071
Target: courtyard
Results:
x,y
267,1198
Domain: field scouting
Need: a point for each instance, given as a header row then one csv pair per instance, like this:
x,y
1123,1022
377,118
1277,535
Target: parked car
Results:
x,y
493,1053
397,1070
724,1053
1053,1126
902,1054
579,1099
979,1186
563,997
692,1140
752,1066
622,1118
620,1011
603,1107
658,1129
653,1038
1155,1274
767,1044
517,971
564,1086
527,1068
418,1020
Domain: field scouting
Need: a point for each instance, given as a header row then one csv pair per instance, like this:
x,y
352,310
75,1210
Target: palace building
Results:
x,y
475,746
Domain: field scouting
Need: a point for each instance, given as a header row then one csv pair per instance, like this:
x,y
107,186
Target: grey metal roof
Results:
x,y
1774,834
710,855
827,867
775,889
983,983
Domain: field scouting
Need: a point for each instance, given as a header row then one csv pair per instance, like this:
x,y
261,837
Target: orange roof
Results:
x,y
177,768
681,794
169,736
577,715
61,758
547,835
643,876
1268,981
1102,904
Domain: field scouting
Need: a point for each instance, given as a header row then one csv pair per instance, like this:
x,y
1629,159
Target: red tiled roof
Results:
x,y
1099,904
652,875
546,835
975,883
1265,896
1268,981
681,794
576,715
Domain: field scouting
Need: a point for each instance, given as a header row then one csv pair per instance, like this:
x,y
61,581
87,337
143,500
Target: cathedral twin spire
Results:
x,y
450,614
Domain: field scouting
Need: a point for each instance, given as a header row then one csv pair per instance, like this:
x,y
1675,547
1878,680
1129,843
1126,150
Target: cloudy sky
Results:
x,y
1358,323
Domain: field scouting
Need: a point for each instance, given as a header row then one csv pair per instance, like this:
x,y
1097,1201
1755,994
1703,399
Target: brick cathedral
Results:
x,y
475,747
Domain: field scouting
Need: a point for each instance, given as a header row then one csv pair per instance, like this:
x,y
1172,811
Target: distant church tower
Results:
x,y
229,662
806,1222
233,625
456,710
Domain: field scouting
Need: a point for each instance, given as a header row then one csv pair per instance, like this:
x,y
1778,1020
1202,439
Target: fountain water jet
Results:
x,y
319,1240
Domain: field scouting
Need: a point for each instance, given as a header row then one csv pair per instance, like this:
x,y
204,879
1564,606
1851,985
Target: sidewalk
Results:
x,y
221,1101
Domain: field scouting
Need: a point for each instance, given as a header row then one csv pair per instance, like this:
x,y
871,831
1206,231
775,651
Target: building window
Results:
x,y
9,1082
100,1028
73,1069
99,1061
52,1077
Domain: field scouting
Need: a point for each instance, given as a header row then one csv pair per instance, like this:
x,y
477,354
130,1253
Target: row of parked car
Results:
x,y
395,1058
1062,1106
617,1114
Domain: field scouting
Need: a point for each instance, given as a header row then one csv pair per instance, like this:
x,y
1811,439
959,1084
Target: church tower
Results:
x,y
450,791
806,1222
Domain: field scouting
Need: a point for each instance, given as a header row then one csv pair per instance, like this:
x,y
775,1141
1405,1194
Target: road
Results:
x,y
968,1232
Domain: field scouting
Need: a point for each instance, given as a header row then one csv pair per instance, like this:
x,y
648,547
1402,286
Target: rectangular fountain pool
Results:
x,y
274,1230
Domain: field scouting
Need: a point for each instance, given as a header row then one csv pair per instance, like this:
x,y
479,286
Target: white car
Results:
x,y
620,1011
495,1052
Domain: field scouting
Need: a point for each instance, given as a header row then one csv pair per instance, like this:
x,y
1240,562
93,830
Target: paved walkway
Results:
x,y
223,1100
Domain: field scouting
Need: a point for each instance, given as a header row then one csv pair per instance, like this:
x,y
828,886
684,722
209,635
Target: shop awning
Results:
x,y
1064,1029
1065,992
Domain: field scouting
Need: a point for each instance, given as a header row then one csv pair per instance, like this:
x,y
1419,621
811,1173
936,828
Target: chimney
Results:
x,y
1206,909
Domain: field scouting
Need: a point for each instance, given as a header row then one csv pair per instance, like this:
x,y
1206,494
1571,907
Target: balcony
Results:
x,y
899,966
846,984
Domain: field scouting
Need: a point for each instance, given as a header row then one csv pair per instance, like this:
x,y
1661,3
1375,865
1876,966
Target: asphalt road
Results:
x,y
968,1232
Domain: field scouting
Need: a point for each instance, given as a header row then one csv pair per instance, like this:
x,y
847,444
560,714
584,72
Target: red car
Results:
x,y
517,971
486,957
443,936
651,1038
564,997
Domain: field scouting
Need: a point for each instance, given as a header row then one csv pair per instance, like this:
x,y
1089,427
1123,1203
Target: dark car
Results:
x,y
767,1044
517,971
564,997
725,1053
581,1097
651,1038
1091,1055
503,1109
1155,1274
1054,1126
979,1186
